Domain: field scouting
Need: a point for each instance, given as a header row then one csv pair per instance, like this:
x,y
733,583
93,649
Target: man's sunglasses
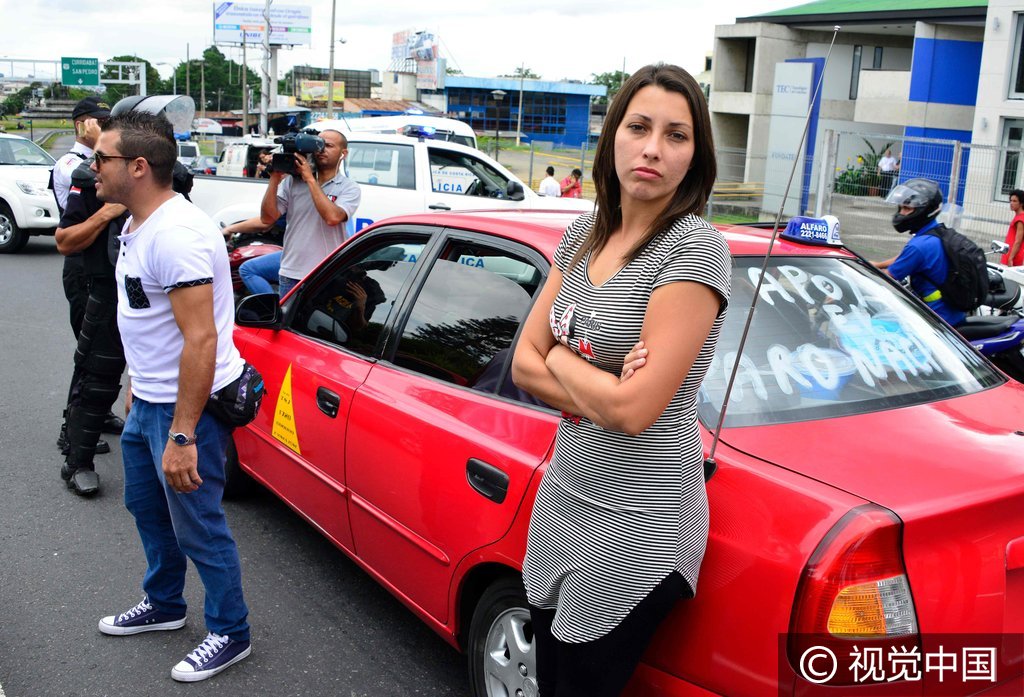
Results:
x,y
101,158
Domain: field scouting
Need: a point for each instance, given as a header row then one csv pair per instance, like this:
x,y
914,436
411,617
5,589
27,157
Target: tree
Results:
x,y
16,102
523,72
452,71
612,80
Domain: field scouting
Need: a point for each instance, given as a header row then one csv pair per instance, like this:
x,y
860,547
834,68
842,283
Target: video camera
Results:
x,y
304,143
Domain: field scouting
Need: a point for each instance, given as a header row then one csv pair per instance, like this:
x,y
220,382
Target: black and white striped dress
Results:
x,y
616,514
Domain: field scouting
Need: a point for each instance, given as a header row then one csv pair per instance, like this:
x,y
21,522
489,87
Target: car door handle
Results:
x,y
439,207
487,480
327,401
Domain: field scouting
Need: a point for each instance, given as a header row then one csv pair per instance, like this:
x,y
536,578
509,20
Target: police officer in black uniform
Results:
x,y
92,227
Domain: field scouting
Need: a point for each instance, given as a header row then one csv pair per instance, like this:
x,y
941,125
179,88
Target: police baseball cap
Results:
x,y
91,107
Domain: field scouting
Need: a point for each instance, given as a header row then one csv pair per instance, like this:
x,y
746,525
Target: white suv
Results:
x,y
27,206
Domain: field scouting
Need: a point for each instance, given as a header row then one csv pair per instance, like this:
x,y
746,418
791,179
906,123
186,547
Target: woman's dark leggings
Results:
x,y
601,668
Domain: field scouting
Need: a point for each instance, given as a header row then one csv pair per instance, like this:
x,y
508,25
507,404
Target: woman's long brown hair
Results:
x,y
693,192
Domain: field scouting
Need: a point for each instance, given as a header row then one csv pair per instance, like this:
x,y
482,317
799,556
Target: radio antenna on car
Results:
x,y
709,463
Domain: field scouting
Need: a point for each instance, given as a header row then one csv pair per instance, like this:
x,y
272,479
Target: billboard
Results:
x,y
316,90
290,25
413,45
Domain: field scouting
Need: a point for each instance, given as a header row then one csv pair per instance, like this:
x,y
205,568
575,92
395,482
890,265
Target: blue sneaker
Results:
x,y
141,618
213,655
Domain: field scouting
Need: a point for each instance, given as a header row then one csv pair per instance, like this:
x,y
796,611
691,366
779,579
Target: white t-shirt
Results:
x,y
63,169
308,239
887,164
178,246
549,187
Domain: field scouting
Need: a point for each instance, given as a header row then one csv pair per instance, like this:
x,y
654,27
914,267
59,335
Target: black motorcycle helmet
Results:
x,y
923,195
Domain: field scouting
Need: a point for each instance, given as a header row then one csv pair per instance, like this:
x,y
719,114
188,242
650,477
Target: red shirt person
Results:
x,y
1015,235
572,186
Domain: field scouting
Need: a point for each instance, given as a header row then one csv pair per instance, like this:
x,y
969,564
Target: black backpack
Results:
x,y
966,285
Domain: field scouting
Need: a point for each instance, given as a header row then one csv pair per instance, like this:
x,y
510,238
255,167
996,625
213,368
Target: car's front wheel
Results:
x,y
12,238
501,649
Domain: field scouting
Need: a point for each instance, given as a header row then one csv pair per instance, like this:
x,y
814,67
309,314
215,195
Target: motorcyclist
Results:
x,y
918,204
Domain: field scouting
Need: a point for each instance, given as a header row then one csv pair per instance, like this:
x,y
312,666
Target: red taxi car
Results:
x,y
870,481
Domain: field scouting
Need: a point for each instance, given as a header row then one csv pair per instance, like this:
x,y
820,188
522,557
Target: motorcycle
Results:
x,y
245,246
996,328
1005,284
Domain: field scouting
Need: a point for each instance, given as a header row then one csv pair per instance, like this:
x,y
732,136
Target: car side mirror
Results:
x,y
999,247
263,310
514,191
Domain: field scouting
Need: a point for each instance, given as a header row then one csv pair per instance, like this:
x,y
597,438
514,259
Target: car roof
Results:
x,y
11,135
394,139
542,230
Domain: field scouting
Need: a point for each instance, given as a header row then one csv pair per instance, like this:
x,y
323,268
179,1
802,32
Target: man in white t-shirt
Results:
x,y
549,185
176,317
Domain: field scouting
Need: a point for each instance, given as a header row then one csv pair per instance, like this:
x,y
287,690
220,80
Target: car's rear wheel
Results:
x,y
12,238
501,649
237,484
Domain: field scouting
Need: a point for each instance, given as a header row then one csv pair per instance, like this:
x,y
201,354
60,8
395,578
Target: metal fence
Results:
x,y
847,182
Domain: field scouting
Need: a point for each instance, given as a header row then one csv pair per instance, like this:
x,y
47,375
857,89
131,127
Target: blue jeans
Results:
x,y
259,272
285,284
176,526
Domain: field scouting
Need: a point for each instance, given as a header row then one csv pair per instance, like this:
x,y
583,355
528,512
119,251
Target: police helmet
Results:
x,y
923,196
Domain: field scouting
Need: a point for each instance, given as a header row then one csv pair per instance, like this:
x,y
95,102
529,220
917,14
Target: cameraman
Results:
x,y
318,206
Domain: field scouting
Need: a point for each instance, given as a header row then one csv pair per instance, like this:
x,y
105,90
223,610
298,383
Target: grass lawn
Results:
x,y
733,219
11,125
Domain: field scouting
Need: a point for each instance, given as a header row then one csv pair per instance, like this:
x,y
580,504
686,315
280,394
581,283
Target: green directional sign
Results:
x,y
80,72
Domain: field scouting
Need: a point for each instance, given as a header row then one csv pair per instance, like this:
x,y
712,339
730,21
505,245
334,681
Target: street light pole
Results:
x,y
498,96
330,69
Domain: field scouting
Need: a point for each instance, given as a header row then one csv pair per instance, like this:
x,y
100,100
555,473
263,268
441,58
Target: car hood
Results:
x,y
40,174
916,460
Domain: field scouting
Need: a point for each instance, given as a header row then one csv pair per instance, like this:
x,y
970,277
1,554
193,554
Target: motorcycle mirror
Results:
x,y
999,247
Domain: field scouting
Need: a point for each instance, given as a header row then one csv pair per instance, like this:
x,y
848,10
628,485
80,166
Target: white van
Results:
x,y
240,157
431,127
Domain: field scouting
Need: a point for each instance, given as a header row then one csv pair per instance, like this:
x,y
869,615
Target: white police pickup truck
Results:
x,y
398,175
27,206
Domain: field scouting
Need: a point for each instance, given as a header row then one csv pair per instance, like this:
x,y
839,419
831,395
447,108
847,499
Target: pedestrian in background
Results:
x,y
1015,235
572,186
620,339
176,317
887,167
549,185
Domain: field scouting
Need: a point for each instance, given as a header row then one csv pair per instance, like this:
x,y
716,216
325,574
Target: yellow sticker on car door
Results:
x,y
284,415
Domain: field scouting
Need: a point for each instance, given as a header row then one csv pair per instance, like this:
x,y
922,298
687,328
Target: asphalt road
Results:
x,y
320,625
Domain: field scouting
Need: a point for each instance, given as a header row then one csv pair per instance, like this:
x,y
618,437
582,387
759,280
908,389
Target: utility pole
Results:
x,y
245,89
202,86
519,119
330,69
265,84
188,72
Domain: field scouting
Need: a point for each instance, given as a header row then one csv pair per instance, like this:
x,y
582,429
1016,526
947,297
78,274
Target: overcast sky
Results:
x,y
482,38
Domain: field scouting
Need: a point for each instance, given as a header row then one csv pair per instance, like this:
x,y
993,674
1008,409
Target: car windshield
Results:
x,y
21,151
831,338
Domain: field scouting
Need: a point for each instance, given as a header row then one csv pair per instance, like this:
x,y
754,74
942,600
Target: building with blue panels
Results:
x,y
902,70
556,112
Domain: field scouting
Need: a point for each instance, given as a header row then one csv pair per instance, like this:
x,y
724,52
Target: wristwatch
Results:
x,y
181,439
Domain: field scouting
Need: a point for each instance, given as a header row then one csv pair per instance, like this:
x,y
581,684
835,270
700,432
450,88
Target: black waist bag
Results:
x,y
238,402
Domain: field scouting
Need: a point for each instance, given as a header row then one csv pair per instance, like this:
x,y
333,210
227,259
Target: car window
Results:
x,y
458,173
348,305
831,338
15,151
462,323
381,164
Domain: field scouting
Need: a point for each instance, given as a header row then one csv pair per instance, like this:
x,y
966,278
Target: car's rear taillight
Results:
x,y
854,588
